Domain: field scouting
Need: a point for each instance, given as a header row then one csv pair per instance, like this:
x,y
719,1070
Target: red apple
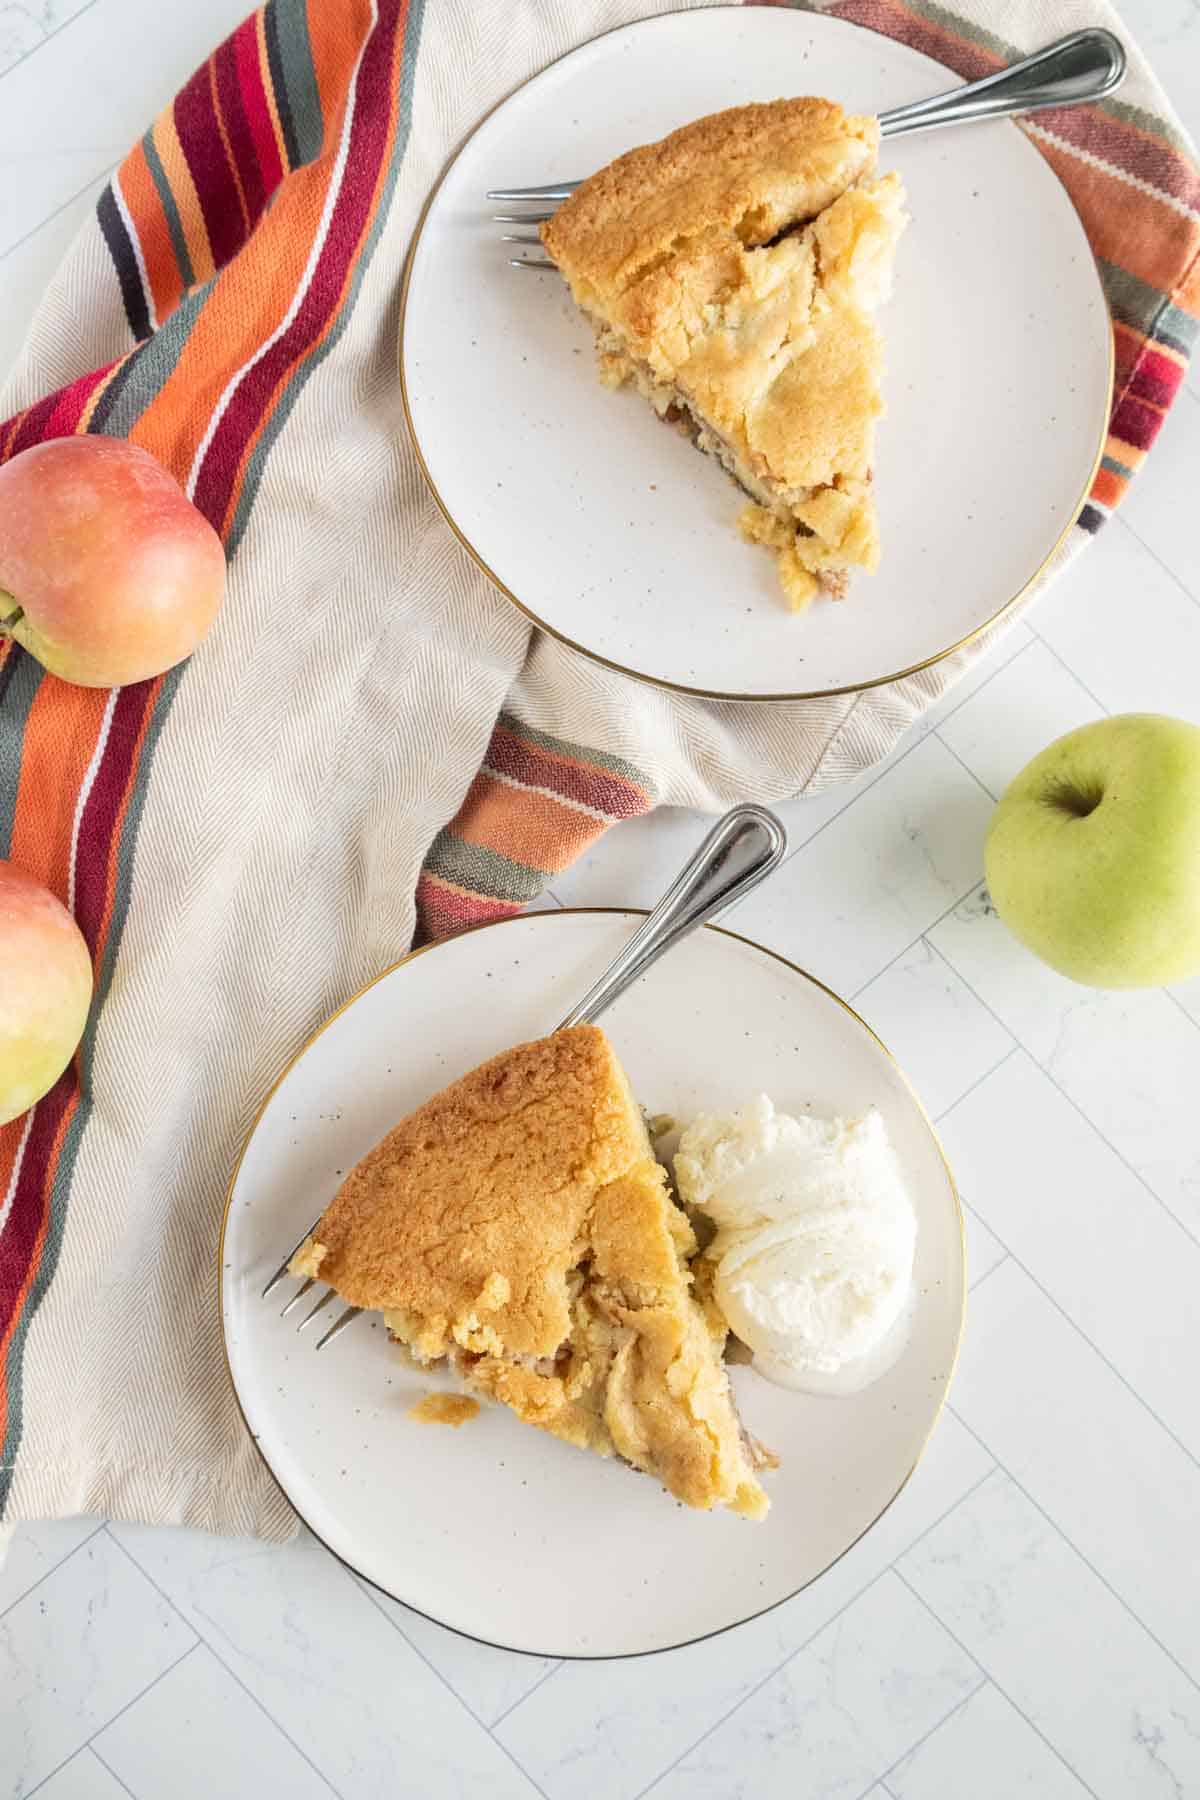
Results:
x,y
45,990
108,574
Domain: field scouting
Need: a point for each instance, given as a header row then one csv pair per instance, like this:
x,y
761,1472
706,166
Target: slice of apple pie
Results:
x,y
730,271
518,1227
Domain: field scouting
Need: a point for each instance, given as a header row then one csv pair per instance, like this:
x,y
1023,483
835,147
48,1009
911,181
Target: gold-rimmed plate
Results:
x,y
496,1530
611,532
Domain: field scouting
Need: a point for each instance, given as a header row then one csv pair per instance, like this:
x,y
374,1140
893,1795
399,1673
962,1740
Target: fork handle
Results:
x,y
741,850
1082,67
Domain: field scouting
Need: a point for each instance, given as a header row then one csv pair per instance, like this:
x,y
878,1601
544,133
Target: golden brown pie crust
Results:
x,y
729,271
518,1224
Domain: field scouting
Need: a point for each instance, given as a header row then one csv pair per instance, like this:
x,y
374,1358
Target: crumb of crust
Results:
x,y
307,1260
444,1409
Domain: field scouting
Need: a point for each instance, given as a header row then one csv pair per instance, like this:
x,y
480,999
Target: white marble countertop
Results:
x,y
1026,1619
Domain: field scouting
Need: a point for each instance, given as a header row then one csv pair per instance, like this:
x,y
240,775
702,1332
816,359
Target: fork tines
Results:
x,y
343,1319
552,194
339,1324
554,190
282,1270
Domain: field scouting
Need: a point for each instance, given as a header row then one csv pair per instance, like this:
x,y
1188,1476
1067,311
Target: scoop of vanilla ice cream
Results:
x,y
815,1236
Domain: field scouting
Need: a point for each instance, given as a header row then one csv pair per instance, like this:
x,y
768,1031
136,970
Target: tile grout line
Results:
x,y
122,1710
1069,1540
53,1569
11,249
46,38
470,1711
1095,698
1068,1096
1166,568
887,764
368,1592
881,1780
812,1636
985,683
979,1081
56,1770
1062,662
83,1750
974,1286
877,771
991,1010
1003,1691
1176,1001
529,1692
1011,1255
215,1653
922,937
124,1786
977,779
920,736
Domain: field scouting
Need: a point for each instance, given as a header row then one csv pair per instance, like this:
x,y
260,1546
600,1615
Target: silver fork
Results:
x,y
741,850
1070,72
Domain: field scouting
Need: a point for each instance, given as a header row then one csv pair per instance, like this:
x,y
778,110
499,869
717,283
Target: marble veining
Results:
x,y
26,24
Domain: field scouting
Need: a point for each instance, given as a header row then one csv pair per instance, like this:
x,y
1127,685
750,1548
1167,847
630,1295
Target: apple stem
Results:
x,y
10,613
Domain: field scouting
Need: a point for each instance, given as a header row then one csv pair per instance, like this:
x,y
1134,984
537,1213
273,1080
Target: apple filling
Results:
x,y
737,301
518,1229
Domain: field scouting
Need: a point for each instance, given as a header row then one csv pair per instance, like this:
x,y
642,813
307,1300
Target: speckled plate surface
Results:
x,y
608,528
495,1529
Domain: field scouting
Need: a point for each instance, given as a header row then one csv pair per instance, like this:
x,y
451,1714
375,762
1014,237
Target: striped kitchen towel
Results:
x,y
371,741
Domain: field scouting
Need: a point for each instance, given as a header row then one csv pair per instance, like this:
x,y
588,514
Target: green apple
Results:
x,y
1093,854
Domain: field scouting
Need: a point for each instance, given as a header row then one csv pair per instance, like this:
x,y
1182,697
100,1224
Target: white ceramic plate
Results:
x,y
495,1529
609,529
